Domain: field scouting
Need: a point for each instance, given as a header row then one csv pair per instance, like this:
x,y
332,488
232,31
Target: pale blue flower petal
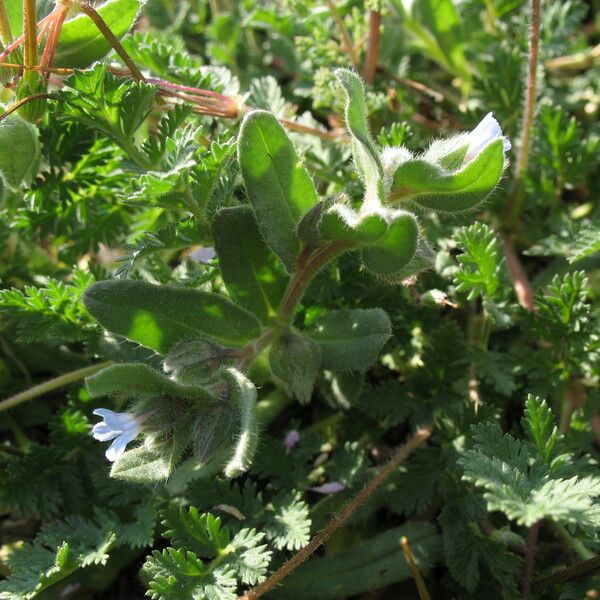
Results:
x,y
103,433
116,449
111,417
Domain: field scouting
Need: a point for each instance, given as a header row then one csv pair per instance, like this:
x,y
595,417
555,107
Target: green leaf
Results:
x,y
142,465
391,253
200,533
350,340
340,222
141,381
431,186
436,28
252,274
160,316
288,522
296,360
527,491
278,186
372,563
19,151
81,43
479,272
366,156
114,106
541,427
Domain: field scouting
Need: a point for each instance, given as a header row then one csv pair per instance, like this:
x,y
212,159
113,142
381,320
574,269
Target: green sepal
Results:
x,y
31,83
252,274
81,43
350,340
296,360
366,156
242,398
20,151
430,186
279,187
391,253
160,316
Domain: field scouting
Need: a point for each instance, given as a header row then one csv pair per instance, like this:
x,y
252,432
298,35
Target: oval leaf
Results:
x,y
160,316
350,340
252,274
278,186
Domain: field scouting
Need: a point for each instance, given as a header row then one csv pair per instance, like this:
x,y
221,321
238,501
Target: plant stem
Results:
x,y
521,284
93,14
17,105
301,279
573,572
420,437
410,559
516,198
52,384
347,42
373,47
29,30
529,559
5,31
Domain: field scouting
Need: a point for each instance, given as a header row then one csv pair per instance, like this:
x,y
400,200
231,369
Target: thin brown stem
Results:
x,y
60,14
420,437
324,135
57,70
530,559
410,559
93,14
346,41
373,47
521,283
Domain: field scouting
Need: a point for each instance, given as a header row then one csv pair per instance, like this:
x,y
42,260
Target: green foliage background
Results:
x,y
110,188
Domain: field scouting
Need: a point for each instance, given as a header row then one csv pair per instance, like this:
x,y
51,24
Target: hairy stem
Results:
x,y
52,384
93,14
516,198
420,437
530,559
304,275
410,559
347,42
373,47
5,31
29,31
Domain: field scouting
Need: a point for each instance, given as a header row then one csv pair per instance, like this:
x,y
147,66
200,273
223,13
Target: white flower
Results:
x,y
120,427
486,132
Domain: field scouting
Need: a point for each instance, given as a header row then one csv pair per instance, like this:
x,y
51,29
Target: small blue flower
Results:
x,y
486,132
120,427
291,439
